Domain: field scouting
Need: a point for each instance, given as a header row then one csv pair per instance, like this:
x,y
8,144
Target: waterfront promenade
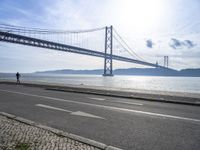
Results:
x,y
123,119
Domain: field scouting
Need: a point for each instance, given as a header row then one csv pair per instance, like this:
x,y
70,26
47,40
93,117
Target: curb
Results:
x,y
60,132
149,97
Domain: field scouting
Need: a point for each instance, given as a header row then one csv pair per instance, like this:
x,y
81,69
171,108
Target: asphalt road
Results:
x,y
124,123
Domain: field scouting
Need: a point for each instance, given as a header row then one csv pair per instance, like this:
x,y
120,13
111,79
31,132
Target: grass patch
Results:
x,y
22,146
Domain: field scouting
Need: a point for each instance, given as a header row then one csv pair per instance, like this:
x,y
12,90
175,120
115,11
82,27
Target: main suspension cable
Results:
x,y
128,49
13,28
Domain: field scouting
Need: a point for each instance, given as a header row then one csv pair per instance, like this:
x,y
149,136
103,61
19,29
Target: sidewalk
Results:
x,y
20,134
160,96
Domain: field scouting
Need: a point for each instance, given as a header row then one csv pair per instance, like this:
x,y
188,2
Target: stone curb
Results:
x,y
86,90
60,133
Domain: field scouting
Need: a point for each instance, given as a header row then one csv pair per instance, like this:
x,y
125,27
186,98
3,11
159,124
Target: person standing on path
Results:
x,y
18,76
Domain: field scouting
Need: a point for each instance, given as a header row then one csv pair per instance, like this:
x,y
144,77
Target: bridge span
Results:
x,y
8,36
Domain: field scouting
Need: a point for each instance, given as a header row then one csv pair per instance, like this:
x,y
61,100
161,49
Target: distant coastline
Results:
x,y
131,71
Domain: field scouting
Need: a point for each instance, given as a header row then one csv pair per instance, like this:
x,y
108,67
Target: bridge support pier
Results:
x,y
108,69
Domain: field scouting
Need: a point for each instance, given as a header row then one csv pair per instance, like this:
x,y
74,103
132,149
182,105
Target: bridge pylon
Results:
x,y
108,67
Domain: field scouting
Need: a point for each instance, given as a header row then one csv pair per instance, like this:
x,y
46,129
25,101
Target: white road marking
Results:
x,y
77,113
51,107
80,113
106,107
132,103
96,98
123,102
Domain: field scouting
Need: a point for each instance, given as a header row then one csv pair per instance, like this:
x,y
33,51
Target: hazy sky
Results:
x,y
152,28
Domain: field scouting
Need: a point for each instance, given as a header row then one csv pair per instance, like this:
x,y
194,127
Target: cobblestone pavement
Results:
x,y
15,135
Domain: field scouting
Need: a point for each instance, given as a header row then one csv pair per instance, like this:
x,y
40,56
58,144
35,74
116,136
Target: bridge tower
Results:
x,y
166,61
108,68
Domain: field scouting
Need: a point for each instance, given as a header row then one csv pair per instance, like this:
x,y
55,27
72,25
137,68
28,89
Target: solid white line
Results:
x,y
96,98
106,107
51,107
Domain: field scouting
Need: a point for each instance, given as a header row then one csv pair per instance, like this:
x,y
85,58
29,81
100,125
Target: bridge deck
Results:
x,y
24,40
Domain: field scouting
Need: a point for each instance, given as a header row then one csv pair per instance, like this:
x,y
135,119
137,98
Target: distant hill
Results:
x,y
190,72
70,71
131,71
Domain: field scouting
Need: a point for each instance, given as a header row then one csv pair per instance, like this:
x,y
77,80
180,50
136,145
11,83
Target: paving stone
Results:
x,y
17,134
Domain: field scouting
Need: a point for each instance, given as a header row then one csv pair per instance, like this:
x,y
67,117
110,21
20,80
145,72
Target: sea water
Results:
x,y
175,84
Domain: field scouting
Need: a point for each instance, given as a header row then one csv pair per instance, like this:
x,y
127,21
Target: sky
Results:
x,y
152,28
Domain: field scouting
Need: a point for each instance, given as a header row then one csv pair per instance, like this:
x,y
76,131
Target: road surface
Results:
x,y
123,123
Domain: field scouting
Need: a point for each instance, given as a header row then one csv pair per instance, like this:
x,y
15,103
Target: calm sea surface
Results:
x,y
177,84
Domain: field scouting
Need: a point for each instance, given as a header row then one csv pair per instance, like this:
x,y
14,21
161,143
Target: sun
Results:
x,y
142,15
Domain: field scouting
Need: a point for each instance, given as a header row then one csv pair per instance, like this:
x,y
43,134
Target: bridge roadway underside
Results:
x,y
29,41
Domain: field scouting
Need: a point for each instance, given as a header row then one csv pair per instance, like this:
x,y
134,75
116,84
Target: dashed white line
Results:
x,y
96,98
123,102
77,113
51,107
132,103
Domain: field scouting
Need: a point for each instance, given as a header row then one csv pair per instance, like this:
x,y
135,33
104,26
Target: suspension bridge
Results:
x,y
104,42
